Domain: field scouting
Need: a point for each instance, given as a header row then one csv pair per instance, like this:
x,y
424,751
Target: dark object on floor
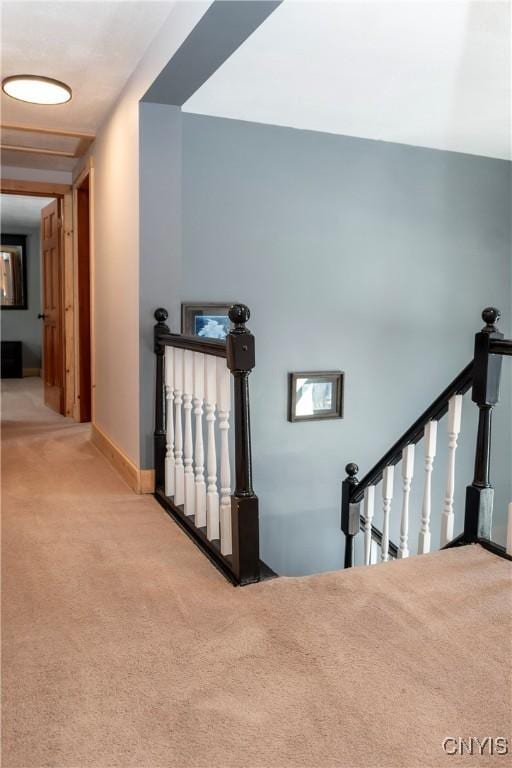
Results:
x,y
11,360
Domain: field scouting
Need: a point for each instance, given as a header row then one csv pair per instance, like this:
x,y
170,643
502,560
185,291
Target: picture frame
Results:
x,y
13,275
207,320
315,395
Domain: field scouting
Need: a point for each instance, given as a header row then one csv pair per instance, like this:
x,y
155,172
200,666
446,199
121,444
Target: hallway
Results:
x,y
123,646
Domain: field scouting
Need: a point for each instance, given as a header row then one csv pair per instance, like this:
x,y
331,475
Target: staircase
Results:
x,y
482,376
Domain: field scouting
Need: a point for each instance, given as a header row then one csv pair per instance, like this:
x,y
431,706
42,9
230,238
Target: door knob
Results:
x,y
41,316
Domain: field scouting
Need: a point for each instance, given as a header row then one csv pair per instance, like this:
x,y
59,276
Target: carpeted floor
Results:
x,y
123,646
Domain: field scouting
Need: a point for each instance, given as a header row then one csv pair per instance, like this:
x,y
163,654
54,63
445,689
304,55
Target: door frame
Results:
x,y
85,174
65,193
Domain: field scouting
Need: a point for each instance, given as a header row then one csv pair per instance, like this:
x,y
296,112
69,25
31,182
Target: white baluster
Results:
x,y
374,553
387,497
430,438
169,406
188,453
509,530
454,418
368,509
224,408
179,481
200,508
407,475
212,496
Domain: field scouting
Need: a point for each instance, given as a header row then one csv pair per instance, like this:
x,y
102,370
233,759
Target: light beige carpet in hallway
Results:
x,y
123,646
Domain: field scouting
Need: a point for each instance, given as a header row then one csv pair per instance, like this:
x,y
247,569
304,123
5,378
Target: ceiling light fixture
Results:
x,y
36,89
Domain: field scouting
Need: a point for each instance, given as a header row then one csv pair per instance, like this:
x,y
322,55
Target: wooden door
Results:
x,y
52,316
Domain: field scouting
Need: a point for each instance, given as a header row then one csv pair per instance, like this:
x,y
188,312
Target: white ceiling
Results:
x,y
91,46
421,72
19,211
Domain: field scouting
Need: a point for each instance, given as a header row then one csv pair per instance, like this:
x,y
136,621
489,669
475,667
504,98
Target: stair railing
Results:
x,y
194,375
482,374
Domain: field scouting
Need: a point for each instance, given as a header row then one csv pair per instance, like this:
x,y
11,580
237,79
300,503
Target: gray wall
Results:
x,y
370,257
23,324
160,244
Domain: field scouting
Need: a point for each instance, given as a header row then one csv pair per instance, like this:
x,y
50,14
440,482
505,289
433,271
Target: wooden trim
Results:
x,y
82,255
84,140
48,131
38,150
33,188
82,174
92,268
147,480
139,480
28,372
69,304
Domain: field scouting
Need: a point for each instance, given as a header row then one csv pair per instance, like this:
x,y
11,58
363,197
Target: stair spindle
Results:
x,y
387,498
407,475
212,495
224,407
430,438
200,485
368,511
509,530
169,412
188,453
179,480
454,422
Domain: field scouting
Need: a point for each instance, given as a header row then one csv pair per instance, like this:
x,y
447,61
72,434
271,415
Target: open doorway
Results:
x,y
57,297
21,285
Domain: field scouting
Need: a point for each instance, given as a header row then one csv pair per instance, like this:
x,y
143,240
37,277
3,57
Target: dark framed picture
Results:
x,y
210,321
13,272
315,395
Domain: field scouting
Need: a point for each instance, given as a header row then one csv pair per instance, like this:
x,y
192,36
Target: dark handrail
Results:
x,y
459,386
500,346
194,344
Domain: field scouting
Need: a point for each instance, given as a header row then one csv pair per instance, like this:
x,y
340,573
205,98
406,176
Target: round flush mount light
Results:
x,y
36,89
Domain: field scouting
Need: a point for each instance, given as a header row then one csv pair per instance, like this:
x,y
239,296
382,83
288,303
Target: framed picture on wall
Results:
x,y
13,272
315,395
210,321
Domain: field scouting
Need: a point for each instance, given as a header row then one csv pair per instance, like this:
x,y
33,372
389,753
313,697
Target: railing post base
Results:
x,y
246,545
478,513
485,393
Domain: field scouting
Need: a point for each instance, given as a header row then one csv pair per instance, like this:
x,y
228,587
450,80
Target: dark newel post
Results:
x,y
349,513
244,503
161,316
486,384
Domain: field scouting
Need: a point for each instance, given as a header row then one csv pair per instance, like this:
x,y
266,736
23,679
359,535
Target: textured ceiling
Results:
x,y
422,72
19,211
91,46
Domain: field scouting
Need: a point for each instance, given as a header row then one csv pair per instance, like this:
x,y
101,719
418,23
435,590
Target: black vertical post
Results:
x,y
349,513
485,393
161,316
244,502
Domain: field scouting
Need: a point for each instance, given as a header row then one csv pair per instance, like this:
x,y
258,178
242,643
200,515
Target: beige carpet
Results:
x,y
123,646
